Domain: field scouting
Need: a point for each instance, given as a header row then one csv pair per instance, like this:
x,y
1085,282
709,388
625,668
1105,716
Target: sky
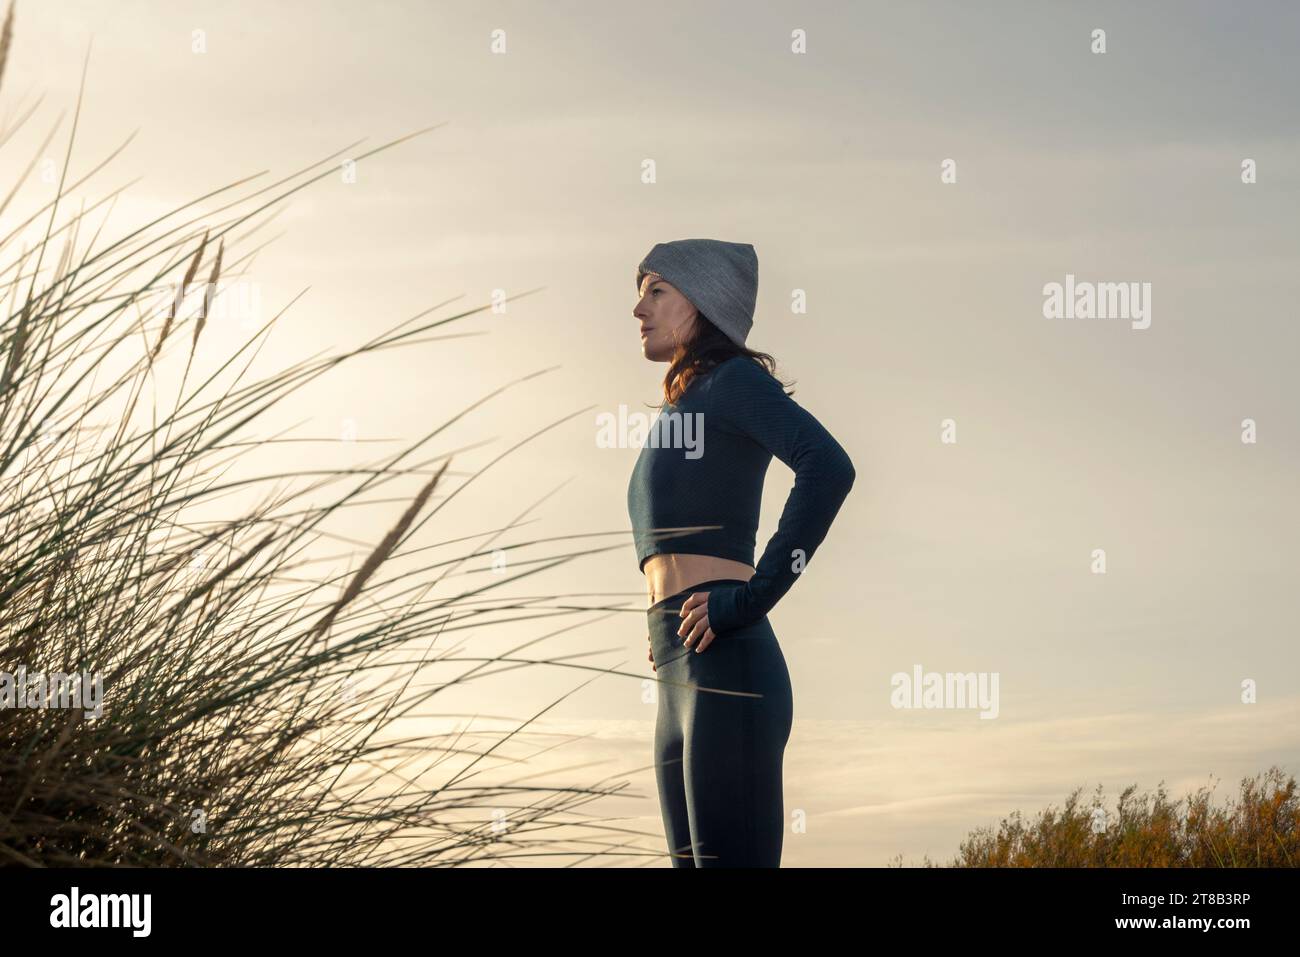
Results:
x,y
924,308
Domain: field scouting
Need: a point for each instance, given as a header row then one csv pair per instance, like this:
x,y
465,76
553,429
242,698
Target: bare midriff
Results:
x,y
672,573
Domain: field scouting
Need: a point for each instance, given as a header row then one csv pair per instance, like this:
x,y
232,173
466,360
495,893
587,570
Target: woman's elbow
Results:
x,y
845,472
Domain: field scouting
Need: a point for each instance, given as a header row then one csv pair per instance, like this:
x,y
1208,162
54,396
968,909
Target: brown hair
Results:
x,y
705,349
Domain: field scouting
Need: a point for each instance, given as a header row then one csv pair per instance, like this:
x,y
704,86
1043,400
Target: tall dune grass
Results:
x,y
229,735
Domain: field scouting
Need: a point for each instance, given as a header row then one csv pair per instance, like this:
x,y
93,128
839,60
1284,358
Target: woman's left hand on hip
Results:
x,y
695,612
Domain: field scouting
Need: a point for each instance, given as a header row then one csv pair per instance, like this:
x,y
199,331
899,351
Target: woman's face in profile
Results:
x,y
666,318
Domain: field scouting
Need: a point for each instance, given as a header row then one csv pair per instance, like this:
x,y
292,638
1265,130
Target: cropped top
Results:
x,y
698,484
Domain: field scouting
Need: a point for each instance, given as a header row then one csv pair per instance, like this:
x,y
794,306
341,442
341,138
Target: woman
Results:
x,y
725,703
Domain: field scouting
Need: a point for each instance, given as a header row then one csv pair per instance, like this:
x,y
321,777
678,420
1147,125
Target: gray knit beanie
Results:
x,y
719,278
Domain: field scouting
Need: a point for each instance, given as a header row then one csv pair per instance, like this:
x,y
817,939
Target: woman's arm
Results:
x,y
746,400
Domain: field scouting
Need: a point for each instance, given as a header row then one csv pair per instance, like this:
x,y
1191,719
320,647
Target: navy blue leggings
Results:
x,y
718,755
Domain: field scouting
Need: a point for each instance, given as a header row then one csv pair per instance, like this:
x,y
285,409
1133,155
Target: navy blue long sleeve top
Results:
x,y
698,484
